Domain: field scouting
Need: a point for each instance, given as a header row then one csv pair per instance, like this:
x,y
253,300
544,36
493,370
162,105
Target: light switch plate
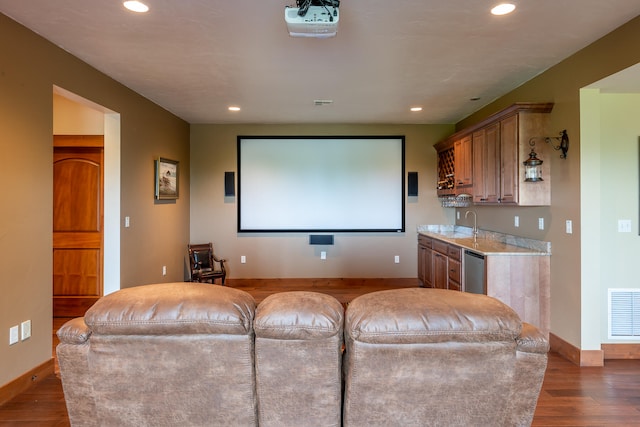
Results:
x,y
13,335
541,223
25,330
569,226
624,226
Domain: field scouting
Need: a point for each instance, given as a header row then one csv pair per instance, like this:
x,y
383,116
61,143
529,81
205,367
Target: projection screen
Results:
x,y
321,184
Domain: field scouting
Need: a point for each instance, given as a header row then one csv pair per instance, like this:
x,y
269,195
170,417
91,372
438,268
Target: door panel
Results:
x,y
77,224
75,272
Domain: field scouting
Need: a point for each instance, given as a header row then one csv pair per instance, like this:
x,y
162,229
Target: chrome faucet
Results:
x,y
475,222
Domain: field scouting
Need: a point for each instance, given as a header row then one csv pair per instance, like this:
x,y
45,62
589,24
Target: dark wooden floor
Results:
x,y
571,396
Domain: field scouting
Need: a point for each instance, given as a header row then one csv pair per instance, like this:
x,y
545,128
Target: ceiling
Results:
x,y
195,58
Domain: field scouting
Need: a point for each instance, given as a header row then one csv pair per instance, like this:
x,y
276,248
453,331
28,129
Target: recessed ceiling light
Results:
x,y
415,109
234,108
503,9
136,6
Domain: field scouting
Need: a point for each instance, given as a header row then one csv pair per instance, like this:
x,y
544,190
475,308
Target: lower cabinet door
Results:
x,y
440,271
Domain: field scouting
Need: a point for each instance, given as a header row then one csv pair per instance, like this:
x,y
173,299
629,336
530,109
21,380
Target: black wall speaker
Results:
x,y
229,184
412,184
321,239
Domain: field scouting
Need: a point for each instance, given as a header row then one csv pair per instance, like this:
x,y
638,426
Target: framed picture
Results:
x,y
167,183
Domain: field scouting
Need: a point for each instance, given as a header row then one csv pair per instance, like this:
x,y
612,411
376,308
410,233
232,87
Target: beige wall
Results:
x,y
29,70
561,84
159,231
354,255
71,117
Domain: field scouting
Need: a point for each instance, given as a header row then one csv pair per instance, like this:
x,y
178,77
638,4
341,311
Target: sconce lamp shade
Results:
x,y
532,167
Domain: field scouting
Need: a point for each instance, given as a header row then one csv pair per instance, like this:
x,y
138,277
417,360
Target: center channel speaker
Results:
x,y
321,239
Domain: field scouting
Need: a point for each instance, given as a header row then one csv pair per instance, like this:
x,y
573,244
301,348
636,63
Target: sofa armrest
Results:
x,y
531,340
75,331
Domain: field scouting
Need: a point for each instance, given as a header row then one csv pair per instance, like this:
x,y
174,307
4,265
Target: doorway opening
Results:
x,y
75,115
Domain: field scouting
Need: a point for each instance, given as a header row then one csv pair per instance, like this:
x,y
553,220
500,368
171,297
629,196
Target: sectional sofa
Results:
x,y
189,354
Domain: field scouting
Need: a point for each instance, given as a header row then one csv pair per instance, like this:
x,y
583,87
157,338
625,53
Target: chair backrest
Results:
x,y
201,256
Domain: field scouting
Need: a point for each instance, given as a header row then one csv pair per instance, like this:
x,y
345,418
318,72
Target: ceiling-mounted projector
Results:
x,y
318,21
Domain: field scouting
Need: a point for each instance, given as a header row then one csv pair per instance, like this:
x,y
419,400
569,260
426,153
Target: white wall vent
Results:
x,y
624,313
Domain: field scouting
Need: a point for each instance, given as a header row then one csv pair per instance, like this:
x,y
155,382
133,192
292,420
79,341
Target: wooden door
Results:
x,y
77,223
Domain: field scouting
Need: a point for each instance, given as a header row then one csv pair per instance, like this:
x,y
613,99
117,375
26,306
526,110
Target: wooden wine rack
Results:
x,y
446,172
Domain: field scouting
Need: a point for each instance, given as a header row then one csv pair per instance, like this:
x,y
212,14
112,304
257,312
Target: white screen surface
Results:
x,y
320,184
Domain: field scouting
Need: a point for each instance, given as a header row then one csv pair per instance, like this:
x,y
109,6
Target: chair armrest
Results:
x,y
531,340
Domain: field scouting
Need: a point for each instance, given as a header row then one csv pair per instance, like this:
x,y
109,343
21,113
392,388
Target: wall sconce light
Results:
x,y
562,145
533,165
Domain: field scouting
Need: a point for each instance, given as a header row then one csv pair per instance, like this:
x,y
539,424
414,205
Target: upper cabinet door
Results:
x,y
509,160
463,162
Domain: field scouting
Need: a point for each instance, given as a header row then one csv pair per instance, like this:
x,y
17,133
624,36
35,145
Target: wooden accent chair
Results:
x,y
205,265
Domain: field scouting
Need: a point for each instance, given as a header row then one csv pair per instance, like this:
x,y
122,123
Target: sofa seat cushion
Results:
x,y
420,315
173,309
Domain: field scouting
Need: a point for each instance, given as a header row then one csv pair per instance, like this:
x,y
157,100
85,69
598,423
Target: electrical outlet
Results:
x,y
569,227
541,223
457,214
516,221
243,259
25,330
13,335
127,222
164,270
396,259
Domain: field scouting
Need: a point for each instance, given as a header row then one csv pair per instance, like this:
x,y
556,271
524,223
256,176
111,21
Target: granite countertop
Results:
x,y
487,242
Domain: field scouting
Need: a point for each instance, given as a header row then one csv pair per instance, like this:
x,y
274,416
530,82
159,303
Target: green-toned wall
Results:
x,y
612,263
354,255
29,68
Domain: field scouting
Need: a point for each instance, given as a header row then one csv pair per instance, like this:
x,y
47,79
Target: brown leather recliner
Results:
x,y
298,360
432,357
174,354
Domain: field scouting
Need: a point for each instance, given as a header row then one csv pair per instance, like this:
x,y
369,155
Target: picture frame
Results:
x,y
167,174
